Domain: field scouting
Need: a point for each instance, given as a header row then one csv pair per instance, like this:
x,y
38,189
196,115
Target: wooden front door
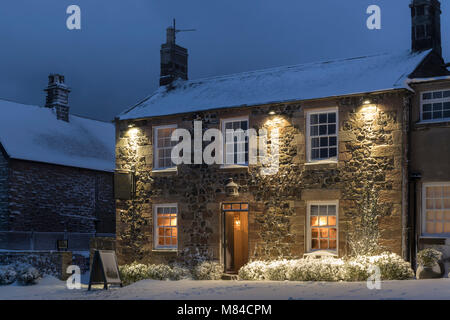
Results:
x,y
235,236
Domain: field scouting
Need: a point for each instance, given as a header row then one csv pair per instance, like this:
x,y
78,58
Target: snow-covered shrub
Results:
x,y
254,270
428,257
7,275
391,267
137,271
311,269
208,270
277,270
133,272
27,275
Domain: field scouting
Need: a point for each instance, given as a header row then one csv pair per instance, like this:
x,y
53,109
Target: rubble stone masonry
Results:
x,y
371,152
50,198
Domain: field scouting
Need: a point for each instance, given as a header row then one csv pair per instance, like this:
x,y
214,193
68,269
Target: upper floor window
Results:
x,y
322,133
436,209
435,105
166,229
163,146
236,141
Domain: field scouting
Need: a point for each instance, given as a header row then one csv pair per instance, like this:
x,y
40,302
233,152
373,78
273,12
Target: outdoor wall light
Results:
x,y
237,222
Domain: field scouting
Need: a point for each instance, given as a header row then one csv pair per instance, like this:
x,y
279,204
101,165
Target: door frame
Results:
x,y
223,229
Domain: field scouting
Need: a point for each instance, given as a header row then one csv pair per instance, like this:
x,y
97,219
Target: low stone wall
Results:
x,y
52,263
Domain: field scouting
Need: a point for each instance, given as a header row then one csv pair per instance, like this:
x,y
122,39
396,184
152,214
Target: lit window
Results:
x,y
435,105
436,209
323,227
322,133
166,231
163,147
236,141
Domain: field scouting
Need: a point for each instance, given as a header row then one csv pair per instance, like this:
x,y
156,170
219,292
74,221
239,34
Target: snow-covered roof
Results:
x,y
34,133
283,84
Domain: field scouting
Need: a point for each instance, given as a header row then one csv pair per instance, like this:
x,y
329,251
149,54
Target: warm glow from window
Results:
x,y
323,228
437,209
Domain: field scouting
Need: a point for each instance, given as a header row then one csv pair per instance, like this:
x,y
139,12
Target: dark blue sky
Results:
x,y
113,61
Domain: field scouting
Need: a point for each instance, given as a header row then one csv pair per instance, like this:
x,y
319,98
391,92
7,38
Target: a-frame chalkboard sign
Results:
x,y
104,269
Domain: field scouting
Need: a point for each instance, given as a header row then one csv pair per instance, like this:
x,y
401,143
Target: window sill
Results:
x,y
165,250
165,171
234,166
312,163
321,253
443,123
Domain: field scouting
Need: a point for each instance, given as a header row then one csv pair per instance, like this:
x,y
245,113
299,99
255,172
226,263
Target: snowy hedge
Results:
x,y
208,270
138,271
7,275
391,266
23,273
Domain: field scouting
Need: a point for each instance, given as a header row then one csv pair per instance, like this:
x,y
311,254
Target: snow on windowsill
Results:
x,y
162,170
165,250
234,166
312,163
440,121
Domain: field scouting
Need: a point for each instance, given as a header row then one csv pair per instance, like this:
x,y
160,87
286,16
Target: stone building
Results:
x,y
344,147
56,174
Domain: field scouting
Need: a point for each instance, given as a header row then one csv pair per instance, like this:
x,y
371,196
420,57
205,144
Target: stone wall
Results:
x,y
3,191
51,198
371,145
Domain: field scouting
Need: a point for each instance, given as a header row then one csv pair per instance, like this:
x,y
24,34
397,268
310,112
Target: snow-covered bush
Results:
x,y
133,272
311,269
208,270
27,275
137,271
391,267
428,257
254,270
7,275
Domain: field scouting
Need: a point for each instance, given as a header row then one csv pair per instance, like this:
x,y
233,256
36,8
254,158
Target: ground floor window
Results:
x,y
166,228
436,209
322,225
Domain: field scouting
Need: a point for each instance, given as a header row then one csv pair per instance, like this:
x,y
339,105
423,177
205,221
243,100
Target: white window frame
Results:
x,y
156,149
431,101
309,138
308,225
156,246
423,218
223,130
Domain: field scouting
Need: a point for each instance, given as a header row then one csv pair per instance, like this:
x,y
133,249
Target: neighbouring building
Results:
x,y
347,129
56,174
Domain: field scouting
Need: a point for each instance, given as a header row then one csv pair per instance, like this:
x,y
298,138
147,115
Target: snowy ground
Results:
x,y
52,288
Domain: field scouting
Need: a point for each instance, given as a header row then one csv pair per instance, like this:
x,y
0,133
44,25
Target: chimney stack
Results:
x,y
174,59
426,25
58,96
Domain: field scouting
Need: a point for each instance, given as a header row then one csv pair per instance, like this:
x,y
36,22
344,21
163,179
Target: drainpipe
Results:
x,y
414,177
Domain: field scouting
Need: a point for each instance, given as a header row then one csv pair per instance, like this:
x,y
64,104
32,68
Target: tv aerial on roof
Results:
x,y
175,30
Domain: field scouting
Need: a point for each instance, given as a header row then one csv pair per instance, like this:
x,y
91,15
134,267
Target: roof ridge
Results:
x,y
284,67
